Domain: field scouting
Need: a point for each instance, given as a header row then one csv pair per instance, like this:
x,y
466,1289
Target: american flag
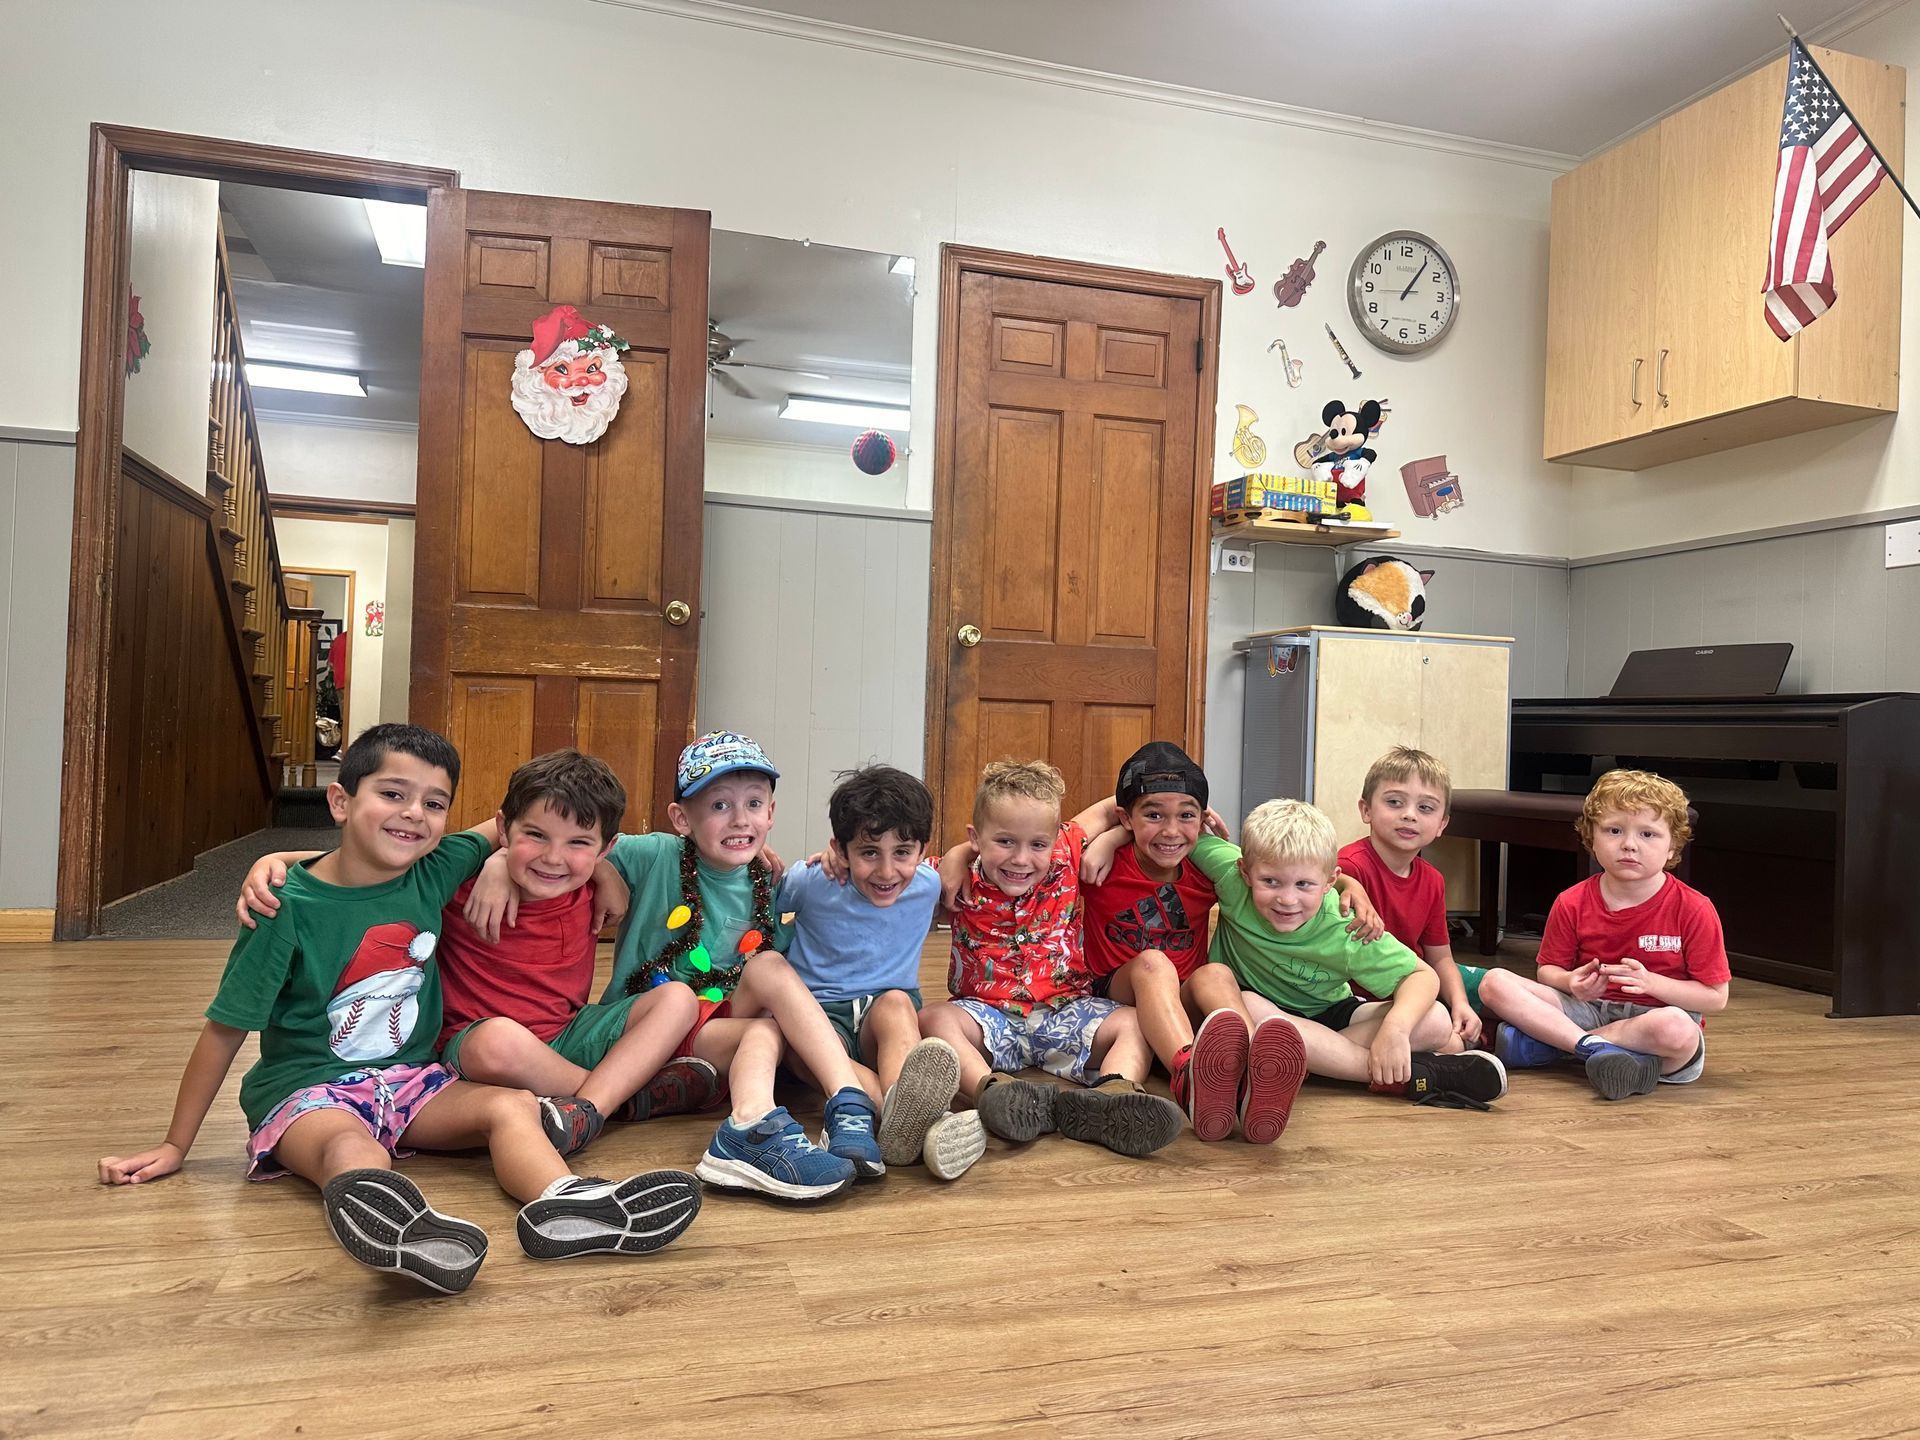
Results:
x,y
1826,169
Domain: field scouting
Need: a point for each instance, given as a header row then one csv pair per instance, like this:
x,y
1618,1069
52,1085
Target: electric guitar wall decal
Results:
x,y
1241,277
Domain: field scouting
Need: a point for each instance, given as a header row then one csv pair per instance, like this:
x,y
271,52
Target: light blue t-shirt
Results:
x,y
845,946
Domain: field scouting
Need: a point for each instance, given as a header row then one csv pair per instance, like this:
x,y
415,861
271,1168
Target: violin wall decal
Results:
x,y
1290,287
1241,277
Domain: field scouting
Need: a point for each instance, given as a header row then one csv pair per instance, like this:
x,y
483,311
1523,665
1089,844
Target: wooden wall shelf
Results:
x,y
1292,533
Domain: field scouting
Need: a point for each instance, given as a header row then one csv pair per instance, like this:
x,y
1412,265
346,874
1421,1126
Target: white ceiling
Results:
x,y
1566,76
312,291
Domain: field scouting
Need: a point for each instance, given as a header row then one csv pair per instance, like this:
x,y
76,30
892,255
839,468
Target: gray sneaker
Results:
x,y
1016,1110
929,1079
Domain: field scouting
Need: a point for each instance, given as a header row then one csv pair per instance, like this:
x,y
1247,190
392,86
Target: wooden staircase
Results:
x,y
278,639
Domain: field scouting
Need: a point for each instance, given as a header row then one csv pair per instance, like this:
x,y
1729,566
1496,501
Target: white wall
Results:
x,y
175,222
801,472
361,548
395,670
350,462
1868,466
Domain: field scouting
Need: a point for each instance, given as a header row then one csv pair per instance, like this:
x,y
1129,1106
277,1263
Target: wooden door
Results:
x,y
1070,520
1600,298
547,574
1717,160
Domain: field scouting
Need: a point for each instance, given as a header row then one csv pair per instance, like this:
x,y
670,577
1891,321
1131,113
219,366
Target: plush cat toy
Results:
x,y
1382,593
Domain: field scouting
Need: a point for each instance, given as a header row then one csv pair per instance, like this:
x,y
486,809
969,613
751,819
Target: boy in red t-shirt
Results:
x,y
1631,959
1021,993
1405,802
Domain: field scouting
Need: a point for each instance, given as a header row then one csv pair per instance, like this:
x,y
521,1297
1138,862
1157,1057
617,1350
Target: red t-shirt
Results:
x,y
1414,909
1127,913
540,973
1018,951
1676,934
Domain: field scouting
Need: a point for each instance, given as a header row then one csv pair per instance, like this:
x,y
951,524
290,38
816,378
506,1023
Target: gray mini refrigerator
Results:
x,y
1276,752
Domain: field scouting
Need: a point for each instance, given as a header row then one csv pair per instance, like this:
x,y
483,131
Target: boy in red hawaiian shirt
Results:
x,y
1022,995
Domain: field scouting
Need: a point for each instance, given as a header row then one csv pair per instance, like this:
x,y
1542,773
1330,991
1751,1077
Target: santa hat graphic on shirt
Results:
x,y
375,1001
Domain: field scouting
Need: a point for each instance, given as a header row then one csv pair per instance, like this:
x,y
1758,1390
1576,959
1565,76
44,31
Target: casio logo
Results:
x,y
1707,651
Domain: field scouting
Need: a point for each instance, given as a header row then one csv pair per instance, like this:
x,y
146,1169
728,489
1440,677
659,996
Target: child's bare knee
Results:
x,y
488,1048
1150,966
1674,1031
894,1007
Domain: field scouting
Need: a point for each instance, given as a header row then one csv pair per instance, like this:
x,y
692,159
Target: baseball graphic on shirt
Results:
x,y
376,1001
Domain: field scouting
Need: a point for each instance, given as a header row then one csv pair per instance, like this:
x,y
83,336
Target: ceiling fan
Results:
x,y
720,359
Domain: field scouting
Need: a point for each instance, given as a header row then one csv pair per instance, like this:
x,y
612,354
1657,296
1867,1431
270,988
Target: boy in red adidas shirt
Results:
x,y
1632,957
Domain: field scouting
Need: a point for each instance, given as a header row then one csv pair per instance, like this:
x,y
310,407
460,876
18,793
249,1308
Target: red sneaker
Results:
x,y
1216,1064
684,1085
1276,1064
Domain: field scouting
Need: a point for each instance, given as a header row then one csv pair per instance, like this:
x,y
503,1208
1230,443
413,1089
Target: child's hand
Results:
x,y
955,866
256,891
1466,1024
1096,861
1390,1057
1629,974
1586,982
1216,826
493,898
832,864
611,897
775,864
1366,925
162,1159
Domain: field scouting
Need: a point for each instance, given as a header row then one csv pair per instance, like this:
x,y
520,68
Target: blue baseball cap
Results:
x,y
717,753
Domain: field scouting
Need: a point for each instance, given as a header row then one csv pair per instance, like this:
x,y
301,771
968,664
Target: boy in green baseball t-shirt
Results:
x,y
1282,933
342,986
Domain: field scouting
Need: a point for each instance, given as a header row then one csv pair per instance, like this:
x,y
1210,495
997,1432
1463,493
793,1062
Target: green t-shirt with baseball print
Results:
x,y
1304,970
342,978
650,864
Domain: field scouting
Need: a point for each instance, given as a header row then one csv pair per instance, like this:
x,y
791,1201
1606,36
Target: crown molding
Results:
x,y
1072,77
338,422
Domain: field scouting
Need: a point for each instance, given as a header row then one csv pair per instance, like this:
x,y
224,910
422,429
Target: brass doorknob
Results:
x,y
969,636
678,612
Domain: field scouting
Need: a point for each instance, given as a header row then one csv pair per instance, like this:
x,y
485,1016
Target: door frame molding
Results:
x,y
115,151
959,260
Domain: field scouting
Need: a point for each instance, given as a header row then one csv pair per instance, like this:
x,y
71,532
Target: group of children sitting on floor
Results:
x,y
428,991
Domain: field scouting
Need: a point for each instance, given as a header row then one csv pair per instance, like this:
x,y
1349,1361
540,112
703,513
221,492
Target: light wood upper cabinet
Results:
x,y
1659,250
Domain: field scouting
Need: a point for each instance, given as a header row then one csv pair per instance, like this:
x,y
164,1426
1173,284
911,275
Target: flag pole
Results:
x,y
1891,175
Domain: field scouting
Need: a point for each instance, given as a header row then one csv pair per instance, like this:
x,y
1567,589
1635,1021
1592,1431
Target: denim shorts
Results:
x,y
385,1101
1592,1014
1057,1038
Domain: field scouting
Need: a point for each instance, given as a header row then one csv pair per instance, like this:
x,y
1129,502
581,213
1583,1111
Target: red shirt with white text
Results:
x,y
1676,934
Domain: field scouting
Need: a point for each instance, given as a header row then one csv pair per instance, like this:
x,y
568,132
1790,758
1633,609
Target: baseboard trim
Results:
x,y
27,927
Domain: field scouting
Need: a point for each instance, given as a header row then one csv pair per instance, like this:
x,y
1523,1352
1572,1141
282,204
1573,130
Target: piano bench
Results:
x,y
1519,817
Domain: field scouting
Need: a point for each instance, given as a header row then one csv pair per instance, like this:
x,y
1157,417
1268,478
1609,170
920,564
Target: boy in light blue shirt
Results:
x,y
859,921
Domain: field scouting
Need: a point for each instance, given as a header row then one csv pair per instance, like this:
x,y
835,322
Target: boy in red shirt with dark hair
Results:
x,y
1631,959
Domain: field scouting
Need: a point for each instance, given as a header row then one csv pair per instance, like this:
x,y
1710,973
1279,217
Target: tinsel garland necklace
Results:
x,y
685,937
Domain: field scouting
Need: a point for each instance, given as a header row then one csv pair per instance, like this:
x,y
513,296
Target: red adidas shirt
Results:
x,y
1127,913
540,973
1676,934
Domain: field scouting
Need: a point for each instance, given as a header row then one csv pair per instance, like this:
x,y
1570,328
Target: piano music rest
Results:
x,y
1519,817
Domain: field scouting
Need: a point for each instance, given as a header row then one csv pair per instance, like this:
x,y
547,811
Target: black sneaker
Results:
x,y
1472,1081
382,1220
1117,1113
591,1216
1016,1110
571,1123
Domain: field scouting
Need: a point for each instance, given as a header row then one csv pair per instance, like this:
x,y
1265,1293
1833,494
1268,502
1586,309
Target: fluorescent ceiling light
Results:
x,y
902,265
863,413
400,231
315,382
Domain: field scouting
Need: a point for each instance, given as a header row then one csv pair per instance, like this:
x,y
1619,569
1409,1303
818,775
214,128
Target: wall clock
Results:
x,y
1404,292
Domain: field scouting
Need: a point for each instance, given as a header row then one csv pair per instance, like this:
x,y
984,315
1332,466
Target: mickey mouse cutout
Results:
x,y
1340,453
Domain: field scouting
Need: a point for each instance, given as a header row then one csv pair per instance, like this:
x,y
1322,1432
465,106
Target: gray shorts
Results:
x,y
1057,1038
1590,1015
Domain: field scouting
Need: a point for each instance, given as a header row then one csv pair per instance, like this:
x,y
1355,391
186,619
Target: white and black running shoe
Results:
x,y
590,1216
382,1220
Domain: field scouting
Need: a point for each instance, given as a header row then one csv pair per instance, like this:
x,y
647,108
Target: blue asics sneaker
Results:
x,y
1617,1072
850,1132
1518,1050
773,1157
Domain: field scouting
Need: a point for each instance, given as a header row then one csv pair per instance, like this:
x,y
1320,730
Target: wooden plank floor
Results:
x,y
1737,1258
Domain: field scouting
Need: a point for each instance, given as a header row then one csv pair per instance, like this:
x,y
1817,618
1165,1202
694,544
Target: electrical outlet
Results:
x,y
1243,560
1903,544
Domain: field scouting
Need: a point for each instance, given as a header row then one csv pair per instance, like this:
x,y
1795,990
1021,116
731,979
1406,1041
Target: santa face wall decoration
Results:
x,y
568,385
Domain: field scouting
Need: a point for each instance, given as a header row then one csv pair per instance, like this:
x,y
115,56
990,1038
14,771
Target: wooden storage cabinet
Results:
x,y
1323,702
1658,347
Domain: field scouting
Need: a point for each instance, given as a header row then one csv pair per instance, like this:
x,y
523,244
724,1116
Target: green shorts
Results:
x,y
585,1041
1471,976
849,1015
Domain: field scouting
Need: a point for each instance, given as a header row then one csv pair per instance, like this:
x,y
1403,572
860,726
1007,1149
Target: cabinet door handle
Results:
x,y
1660,379
1633,386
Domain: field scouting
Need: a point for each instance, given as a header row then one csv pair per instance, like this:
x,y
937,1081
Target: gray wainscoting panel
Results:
x,y
1853,623
814,642
36,540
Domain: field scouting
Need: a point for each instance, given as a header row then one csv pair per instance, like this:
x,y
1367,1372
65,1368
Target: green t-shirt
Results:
x,y
1303,970
342,978
650,864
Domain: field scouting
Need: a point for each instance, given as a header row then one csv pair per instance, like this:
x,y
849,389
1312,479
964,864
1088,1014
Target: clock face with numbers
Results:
x,y
1404,293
